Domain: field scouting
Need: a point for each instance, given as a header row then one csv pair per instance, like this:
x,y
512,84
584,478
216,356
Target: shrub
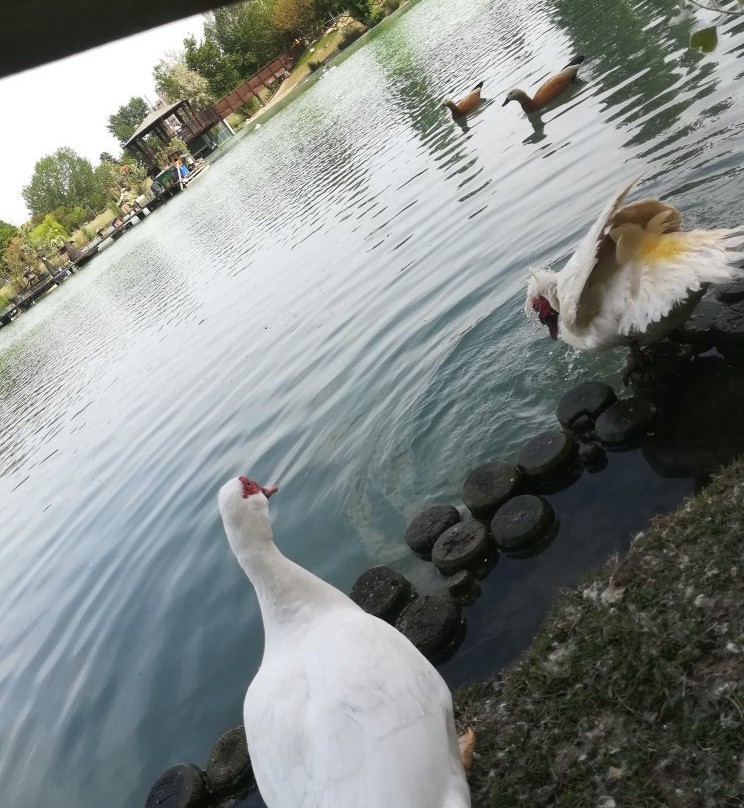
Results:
x,y
313,65
350,34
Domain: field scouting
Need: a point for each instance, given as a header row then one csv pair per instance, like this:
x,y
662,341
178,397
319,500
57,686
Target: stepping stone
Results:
x,y
656,379
383,592
489,486
433,623
732,292
728,330
229,770
592,456
522,522
544,455
428,525
464,588
624,422
181,786
698,330
461,546
579,407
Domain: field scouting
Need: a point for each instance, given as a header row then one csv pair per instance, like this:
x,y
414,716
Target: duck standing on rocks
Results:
x,y
634,277
466,104
547,92
344,712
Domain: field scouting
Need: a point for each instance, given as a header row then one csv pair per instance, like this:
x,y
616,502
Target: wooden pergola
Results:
x,y
192,125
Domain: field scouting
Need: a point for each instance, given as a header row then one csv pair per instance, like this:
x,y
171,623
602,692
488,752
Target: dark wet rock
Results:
x,y
624,423
433,623
728,293
661,372
181,786
383,592
229,771
546,454
704,430
521,522
428,525
728,330
579,407
464,588
592,456
489,486
460,547
698,330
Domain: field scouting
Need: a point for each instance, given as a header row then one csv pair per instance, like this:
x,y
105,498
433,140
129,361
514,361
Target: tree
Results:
x,y
209,62
298,18
247,33
7,232
46,236
175,81
105,157
124,122
62,179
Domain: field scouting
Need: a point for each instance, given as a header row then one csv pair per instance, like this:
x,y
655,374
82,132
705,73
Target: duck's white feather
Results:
x,y
344,711
635,276
350,715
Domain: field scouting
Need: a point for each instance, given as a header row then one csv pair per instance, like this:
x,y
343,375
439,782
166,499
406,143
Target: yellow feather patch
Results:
x,y
666,247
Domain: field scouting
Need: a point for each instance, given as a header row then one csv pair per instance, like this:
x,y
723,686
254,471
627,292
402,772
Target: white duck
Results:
x,y
344,712
633,278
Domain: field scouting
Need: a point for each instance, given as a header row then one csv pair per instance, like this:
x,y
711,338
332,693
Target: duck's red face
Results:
x,y
250,488
547,314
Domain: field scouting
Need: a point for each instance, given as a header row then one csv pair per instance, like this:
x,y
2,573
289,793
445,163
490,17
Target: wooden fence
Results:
x,y
251,87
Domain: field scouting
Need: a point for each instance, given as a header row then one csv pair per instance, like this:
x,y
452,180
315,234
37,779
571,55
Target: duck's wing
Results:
x,y
362,721
551,89
574,280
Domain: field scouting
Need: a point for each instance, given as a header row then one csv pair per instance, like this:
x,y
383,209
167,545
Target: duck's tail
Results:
x,y
478,86
577,60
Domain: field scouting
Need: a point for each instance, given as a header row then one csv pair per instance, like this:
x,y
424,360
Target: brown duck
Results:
x,y
466,104
548,91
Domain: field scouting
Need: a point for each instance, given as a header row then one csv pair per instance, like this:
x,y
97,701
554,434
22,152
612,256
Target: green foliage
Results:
x,y
169,151
349,34
45,237
105,157
124,122
70,218
705,39
63,179
208,61
246,33
175,81
7,232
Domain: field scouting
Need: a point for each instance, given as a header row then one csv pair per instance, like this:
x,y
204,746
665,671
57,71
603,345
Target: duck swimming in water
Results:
x,y
547,92
466,104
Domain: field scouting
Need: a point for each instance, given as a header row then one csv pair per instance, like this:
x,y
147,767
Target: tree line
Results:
x,y
66,190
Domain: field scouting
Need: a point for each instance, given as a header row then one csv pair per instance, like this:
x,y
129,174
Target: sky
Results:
x,y
68,102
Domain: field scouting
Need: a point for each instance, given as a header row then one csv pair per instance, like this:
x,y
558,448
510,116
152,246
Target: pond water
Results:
x,y
335,306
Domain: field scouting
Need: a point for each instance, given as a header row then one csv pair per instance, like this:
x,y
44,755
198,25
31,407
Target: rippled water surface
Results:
x,y
336,305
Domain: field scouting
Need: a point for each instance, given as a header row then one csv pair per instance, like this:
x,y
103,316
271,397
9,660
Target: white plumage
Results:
x,y
634,277
344,712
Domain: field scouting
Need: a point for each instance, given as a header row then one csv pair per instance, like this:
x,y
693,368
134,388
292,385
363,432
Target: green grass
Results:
x,y
633,692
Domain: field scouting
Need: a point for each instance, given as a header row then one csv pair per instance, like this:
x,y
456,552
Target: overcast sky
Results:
x,y
68,102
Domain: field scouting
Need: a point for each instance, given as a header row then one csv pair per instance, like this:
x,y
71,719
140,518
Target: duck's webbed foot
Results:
x,y
636,360
467,745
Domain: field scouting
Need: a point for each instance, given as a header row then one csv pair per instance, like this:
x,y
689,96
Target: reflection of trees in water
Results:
x,y
628,44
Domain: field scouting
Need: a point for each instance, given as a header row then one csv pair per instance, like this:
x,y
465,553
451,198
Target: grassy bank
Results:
x,y
633,692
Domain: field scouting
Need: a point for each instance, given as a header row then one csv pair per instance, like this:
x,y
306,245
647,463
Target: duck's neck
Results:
x,y
288,595
452,107
528,105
